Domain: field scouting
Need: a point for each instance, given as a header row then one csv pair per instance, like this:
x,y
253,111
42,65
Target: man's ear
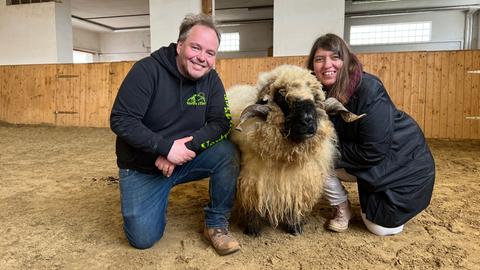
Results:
x,y
179,45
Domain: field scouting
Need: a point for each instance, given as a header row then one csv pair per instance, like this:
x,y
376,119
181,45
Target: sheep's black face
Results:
x,y
300,117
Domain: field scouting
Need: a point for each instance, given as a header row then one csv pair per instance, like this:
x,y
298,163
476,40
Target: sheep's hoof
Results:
x,y
252,230
253,224
295,229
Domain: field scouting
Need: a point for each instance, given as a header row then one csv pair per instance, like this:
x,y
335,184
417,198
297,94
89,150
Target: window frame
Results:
x,y
391,33
229,44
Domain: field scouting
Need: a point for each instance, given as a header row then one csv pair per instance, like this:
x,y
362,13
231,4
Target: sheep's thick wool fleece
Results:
x,y
280,179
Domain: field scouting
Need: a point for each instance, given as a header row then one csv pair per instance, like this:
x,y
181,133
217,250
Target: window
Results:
x,y
390,33
230,42
82,57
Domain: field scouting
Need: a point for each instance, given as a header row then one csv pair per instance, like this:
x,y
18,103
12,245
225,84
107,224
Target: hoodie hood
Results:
x,y
166,56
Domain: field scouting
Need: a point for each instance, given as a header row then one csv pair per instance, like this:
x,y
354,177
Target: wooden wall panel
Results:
x,y
426,85
41,101
452,83
459,106
421,69
444,96
467,94
67,95
429,95
246,70
117,72
26,94
400,83
407,84
3,90
391,85
475,101
435,92
385,71
14,104
8,83
95,79
435,88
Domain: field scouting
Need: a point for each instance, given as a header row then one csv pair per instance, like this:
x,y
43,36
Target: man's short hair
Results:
x,y
196,19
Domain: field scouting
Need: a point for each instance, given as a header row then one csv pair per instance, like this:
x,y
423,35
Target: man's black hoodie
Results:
x,y
156,105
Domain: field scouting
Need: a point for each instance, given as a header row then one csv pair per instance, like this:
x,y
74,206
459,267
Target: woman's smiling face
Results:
x,y
327,65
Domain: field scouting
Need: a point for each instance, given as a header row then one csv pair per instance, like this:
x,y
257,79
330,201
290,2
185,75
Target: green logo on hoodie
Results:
x,y
197,99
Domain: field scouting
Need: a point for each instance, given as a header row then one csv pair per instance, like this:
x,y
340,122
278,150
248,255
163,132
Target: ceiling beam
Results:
x,y
117,16
110,28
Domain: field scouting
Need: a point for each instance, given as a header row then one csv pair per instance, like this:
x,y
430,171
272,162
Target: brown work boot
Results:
x,y
341,216
221,240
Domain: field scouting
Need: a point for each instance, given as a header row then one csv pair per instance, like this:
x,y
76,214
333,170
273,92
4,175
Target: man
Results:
x,y
171,118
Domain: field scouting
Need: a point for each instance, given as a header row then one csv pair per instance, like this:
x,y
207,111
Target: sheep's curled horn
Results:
x,y
251,111
331,106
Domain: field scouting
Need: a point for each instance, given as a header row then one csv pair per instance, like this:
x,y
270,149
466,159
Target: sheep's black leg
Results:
x,y
295,228
253,224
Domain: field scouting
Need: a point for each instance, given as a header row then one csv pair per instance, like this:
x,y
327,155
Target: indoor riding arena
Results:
x,y
59,180
59,183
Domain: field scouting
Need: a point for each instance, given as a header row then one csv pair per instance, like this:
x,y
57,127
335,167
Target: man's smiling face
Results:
x,y
196,55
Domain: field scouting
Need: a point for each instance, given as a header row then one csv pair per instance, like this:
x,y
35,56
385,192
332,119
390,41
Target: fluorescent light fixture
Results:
x,y
133,29
357,2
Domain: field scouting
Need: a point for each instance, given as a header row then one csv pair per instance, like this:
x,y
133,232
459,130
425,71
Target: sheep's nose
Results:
x,y
307,120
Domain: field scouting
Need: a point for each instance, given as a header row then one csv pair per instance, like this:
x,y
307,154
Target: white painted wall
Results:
x,y
476,30
35,33
63,34
113,47
477,23
125,46
85,40
255,39
165,19
298,23
27,33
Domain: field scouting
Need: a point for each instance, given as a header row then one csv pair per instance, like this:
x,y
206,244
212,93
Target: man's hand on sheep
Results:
x,y
165,166
179,153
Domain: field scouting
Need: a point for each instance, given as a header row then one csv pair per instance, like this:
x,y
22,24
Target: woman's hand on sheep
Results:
x,y
165,166
179,153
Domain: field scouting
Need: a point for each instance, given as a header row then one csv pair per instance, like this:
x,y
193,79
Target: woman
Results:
x,y
385,152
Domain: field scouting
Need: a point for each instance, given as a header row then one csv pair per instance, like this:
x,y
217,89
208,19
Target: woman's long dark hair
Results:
x,y
348,76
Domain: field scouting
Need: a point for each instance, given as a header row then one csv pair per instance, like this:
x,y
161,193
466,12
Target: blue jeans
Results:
x,y
144,197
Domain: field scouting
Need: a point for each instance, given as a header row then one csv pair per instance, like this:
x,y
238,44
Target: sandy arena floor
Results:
x,y
60,209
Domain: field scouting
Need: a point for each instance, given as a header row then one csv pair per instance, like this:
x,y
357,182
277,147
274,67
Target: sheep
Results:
x,y
287,146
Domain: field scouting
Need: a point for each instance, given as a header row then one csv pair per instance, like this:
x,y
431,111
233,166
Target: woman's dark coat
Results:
x,y
387,152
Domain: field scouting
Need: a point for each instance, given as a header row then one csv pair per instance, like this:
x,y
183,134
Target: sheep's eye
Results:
x,y
262,101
